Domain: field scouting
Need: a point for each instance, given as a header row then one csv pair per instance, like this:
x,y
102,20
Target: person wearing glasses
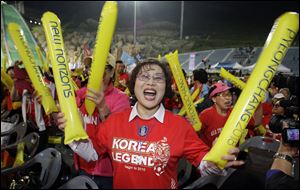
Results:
x,y
279,109
214,118
146,142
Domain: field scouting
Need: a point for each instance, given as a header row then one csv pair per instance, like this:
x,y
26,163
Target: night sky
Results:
x,y
198,15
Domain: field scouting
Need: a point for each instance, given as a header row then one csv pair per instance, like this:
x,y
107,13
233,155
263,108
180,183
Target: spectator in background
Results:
x,y
121,76
286,93
87,61
200,80
174,103
278,96
273,89
214,118
279,108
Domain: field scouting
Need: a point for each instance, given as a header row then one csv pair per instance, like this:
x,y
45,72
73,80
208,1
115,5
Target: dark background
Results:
x,y
198,15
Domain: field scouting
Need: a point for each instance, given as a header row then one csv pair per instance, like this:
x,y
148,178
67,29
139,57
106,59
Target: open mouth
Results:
x,y
149,94
228,104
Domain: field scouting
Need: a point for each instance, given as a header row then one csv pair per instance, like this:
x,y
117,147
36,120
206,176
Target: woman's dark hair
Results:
x,y
147,64
200,75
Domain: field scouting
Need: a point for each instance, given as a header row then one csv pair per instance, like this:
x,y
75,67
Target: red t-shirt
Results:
x,y
148,161
213,123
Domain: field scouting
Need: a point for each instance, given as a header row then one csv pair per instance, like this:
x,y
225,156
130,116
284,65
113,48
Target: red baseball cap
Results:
x,y
220,87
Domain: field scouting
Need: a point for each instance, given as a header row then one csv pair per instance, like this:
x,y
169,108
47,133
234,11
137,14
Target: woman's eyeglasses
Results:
x,y
146,77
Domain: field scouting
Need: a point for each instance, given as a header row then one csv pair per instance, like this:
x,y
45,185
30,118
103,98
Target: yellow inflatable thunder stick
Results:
x,y
32,68
106,28
183,111
74,84
74,130
3,63
184,92
194,96
20,155
38,50
231,78
279,40
6,80
48,61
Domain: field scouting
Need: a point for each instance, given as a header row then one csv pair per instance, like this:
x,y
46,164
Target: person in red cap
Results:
x,y
214,118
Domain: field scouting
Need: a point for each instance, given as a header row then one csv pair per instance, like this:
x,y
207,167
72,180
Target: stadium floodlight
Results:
x,y
134,24
181,19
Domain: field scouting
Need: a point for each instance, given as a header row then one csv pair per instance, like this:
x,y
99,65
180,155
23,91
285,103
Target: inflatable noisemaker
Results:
x,y
32,68
183,111
184,92
7,80
106,28
38,50
74,85
46,66
194,96
231,78
20,155
279,40
74,130
3,63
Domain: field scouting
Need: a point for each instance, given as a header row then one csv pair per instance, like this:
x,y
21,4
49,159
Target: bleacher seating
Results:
x,y
291,60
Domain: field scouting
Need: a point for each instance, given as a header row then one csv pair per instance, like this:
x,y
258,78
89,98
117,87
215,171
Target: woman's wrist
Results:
x,y
104,112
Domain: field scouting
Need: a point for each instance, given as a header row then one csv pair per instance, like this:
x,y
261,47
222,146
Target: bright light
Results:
x,y
39,23
30,21
35,22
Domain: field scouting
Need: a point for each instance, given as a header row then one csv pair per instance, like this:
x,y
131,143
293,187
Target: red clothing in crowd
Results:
x,y
267,113
123,76
175,102
115,101
145,153
213,123
9,101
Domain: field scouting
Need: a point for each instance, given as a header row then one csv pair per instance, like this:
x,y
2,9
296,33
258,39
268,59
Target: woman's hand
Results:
x,y
231,157
38,97
60,120
96,97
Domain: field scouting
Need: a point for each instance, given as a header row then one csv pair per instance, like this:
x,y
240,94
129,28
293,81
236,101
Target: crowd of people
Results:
x,y
149,43
134,132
